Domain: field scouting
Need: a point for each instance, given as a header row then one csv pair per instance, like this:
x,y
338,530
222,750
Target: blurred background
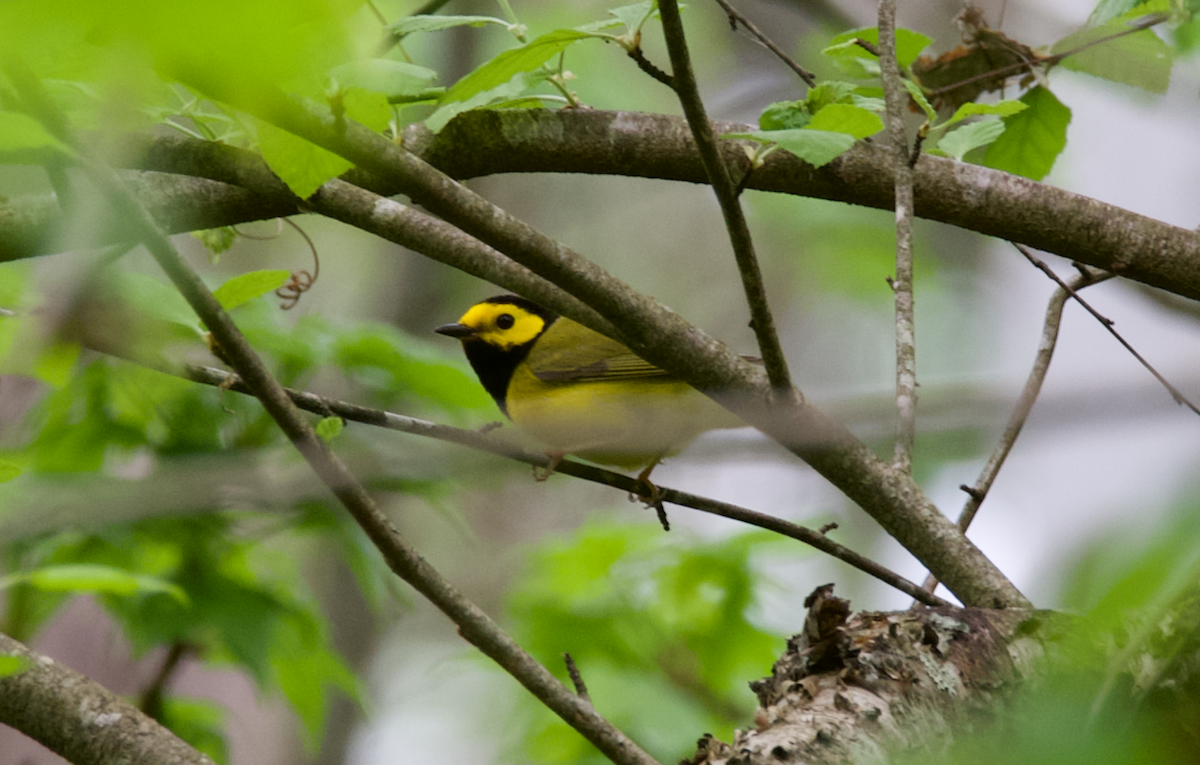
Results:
x,y
1105,463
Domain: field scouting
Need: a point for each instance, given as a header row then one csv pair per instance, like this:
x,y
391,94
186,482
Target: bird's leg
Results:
x,y
540,475
652,496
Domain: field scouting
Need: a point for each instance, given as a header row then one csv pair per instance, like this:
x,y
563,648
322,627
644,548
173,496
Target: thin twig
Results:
x,y
977,493
906,350
576,678
151,702
473,624
736,18
1108,324
761,321
476,439
1048,61
647,66
658,335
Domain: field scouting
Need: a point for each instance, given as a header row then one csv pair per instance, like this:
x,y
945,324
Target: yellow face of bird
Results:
x,y
503,325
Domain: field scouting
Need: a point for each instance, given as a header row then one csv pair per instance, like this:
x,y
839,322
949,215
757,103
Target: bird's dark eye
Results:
x,y
505,321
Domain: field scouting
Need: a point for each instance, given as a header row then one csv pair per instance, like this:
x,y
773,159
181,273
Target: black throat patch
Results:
x,y
495,366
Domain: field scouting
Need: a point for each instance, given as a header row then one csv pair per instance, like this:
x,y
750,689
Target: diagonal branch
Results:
x,y
1108,324
761,320
1029,394
474,439
473,624
80,719
640,145
665,339
736,18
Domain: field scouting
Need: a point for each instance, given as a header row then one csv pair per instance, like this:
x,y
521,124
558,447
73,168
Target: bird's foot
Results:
x,y
541,474
650,495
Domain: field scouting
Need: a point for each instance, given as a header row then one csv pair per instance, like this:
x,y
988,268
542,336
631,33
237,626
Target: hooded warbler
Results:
x,y
578,391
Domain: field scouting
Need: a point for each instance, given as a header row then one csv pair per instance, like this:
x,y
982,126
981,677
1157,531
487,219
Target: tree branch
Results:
x,y
475,439
473,624
81,720
761,320
977,493
639,145
665,339
896,98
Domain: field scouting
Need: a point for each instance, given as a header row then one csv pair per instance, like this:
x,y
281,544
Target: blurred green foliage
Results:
x,y
662,628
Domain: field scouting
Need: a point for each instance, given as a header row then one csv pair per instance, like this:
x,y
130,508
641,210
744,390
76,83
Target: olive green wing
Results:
x,y
571,352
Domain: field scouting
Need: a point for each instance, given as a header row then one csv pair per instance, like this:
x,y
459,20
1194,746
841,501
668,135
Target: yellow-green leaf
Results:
x,y
245,287
302,165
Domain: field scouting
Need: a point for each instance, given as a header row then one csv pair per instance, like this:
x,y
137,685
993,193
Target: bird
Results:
x,y
580,392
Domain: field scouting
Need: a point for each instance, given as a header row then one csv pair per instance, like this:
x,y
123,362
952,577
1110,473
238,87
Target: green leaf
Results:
x,y
504,93
216,240
832,92
918,95
13,665
1140,59
380,75
92,577
635,15
247,286
784,115
367,108
816,147
330,428
55,365
20,132
853,58
958,142
303,166
501,69
199,722
1033,138
844,118
1106,10
9,470
972,109
410,24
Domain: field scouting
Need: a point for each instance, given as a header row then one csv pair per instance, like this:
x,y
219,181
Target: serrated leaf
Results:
x,y
330,428
302,165
1140,59
410,24
504,67
1033,138
380,75
973,109
94,578
20,132
816,147
844,118
958,142
247,286
9,470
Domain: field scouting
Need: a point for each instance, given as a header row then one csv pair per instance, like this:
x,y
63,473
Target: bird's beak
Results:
x,y
461,331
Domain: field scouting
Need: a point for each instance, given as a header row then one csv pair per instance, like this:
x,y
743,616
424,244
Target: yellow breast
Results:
x,y
628,423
